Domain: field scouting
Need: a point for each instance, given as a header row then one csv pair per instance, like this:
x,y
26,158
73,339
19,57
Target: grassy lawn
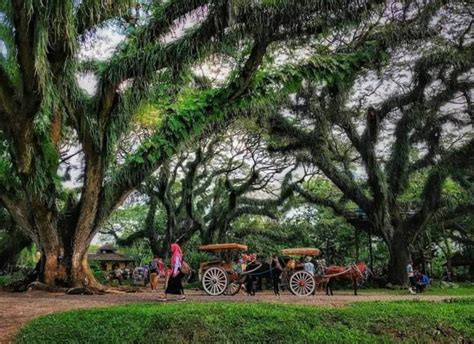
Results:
x,y
371,322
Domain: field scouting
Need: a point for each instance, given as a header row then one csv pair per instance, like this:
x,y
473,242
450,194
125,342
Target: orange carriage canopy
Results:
x,y
301,251
223,247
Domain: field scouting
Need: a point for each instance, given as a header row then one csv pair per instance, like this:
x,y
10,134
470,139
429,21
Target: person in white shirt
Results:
x,y
309,266
411,278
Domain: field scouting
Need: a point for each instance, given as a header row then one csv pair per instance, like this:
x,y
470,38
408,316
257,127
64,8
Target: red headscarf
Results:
x,y
176,252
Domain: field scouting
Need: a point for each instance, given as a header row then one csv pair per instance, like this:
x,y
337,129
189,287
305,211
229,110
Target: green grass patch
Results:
x,y
370,322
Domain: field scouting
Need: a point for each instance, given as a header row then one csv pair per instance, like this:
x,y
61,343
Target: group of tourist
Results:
x,y
157,269
418,281
173,275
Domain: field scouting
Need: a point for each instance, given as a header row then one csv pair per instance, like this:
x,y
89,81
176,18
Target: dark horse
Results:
x,y
260,270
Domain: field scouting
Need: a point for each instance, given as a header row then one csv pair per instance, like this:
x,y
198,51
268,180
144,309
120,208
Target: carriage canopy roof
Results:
x,y
223,247
301,251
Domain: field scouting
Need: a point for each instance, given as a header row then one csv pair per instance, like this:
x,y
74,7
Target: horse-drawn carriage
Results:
x,y
220,276
225,276
295,277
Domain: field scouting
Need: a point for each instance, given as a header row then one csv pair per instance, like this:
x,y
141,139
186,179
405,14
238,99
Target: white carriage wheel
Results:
x,y
232,289
214,281
302,283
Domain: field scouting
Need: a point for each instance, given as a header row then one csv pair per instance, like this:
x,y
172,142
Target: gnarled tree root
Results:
x,y
28,284
41,286
124,290
84,291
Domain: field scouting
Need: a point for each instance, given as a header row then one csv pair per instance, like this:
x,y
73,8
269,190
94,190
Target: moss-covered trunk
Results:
x,y
57,270
61,267
63,250
399,251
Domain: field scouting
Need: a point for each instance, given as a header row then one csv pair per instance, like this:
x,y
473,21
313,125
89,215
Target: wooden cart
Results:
x,y
299,281
218,276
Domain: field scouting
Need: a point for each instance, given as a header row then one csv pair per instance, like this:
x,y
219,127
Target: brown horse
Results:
x,y
355,273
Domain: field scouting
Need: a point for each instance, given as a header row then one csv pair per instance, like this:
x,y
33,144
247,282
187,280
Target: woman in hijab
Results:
x,y
174,285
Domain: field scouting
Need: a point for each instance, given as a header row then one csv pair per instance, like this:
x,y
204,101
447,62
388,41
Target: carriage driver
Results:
x,y
309,266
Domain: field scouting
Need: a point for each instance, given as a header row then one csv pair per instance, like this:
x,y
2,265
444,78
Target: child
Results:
x,y
154,273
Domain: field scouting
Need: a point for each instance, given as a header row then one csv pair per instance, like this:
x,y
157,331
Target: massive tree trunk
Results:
x,y
64,264
399,257
79,273
151,232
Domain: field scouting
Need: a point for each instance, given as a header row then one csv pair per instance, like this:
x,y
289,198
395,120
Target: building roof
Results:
x,y
109,257
107,247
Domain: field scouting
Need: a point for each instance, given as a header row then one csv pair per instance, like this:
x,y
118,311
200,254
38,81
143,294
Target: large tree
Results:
x,y
42,103
394,118
217,179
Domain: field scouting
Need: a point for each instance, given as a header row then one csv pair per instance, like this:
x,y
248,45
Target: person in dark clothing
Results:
x,y
422,281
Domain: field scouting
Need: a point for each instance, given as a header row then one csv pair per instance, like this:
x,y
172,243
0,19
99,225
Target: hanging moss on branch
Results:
x,y
349,128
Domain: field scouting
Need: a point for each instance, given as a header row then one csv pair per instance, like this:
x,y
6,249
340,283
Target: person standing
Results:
x,y
117,274
146,275
161,268
174,285
411,278
154,273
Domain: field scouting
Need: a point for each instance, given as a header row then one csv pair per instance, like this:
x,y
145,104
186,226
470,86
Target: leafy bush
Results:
x,y
28,257
11,278
416,322
6,279
97,271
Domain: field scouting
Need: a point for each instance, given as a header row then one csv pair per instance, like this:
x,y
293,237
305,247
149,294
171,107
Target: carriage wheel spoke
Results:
x,y
214,281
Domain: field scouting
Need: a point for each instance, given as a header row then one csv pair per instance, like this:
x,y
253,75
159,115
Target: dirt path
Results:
x,y
16,309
